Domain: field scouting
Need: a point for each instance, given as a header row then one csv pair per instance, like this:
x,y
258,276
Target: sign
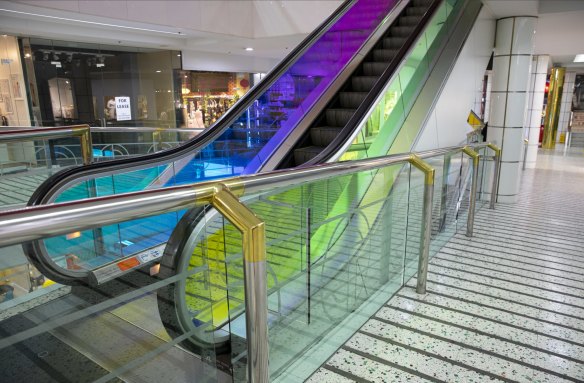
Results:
x,y
123,111
475,121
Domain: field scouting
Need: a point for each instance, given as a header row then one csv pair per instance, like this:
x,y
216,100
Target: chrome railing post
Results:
x,y
496,174
255,285
444,195
426,234
473,189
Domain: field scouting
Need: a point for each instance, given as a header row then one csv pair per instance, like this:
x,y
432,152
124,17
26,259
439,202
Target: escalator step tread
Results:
x,y
363,83
374,68
401,31
394,42
384,55
302,155
338,116
351,99
324,135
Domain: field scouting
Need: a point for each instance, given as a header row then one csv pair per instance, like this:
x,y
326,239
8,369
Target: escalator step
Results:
x,y
422,3
374,68
303,155
324,135
384,55
339,117
399,31
363,83
393,42
352,99
416,11
407,21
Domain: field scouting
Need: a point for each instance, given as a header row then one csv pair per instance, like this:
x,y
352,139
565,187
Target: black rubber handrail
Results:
x,y
203,139
364,107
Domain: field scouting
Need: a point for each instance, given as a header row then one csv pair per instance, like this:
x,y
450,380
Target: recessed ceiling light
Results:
x,y
579,58
27,55
178,55
158,71
249,49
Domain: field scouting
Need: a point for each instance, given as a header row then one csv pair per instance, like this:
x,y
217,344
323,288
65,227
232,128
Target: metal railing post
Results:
x,y
496,174
426,234
86,144
473,189
444,195
255,285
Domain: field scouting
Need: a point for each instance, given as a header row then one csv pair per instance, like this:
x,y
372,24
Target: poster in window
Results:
x,y
123,111
15,83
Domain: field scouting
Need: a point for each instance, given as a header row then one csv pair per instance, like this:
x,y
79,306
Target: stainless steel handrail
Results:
x,y
39,222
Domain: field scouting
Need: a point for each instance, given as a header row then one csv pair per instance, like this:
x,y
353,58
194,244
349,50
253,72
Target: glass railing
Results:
x,y
381,133
33,154
329,265
275,267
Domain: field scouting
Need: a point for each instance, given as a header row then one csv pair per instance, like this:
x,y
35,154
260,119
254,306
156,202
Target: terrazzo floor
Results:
x,y
505,305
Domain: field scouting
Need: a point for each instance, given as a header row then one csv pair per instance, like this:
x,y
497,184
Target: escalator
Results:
x,y
335,66
318,106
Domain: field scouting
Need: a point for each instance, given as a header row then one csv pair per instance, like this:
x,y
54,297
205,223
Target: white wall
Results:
x,y
447,124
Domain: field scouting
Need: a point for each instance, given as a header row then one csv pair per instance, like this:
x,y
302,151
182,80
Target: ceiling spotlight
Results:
x,y
178,55
249,49
158,71
27,55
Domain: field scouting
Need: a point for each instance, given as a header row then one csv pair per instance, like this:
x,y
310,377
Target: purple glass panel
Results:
x,y
291,96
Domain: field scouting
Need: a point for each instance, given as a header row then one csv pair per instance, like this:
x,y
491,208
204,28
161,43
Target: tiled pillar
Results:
x,y
511,68
566,107
537,81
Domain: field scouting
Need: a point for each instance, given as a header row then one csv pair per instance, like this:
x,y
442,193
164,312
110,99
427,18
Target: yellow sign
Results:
x,y
475,121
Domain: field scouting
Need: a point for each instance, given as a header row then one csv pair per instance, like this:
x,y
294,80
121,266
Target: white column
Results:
x,y
533,119
566,107
511,68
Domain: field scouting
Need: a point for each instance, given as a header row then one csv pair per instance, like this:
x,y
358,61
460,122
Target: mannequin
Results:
x,y
199,123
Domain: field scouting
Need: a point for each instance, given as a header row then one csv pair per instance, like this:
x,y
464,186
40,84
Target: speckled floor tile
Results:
x,y
503,282
495,290
427,365
495,327
522,256
497,313
479,360
566,256
326,376
370,370
493,301
499,259
490,267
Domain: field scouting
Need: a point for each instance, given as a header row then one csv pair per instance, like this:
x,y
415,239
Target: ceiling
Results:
x,y
560,26
224,28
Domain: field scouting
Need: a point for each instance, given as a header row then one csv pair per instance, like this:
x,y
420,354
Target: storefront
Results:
x,y
206,96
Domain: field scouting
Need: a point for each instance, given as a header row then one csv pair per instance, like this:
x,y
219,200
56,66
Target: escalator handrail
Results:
x,y
361,112
43,192
39,222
